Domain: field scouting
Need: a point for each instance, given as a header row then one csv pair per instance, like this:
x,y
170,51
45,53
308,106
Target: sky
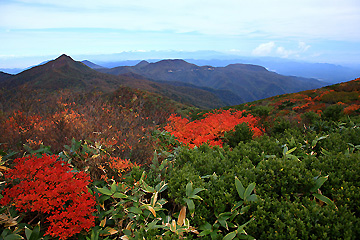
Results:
x,y
309,30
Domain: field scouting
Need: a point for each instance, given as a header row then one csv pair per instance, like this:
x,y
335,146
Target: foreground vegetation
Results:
x,y
123,167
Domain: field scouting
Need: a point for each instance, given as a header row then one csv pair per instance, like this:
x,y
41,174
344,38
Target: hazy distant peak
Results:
x,y
143,63
174,63
247,67
92,65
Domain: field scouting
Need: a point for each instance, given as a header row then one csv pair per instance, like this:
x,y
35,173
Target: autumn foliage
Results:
x,y
47,186
211,128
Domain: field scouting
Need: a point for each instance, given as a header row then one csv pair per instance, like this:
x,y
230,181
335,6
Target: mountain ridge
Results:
x,y
65,73
249,82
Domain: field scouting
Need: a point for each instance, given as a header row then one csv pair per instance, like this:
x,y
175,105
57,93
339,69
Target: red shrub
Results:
x,y
352,108
211,128
47,186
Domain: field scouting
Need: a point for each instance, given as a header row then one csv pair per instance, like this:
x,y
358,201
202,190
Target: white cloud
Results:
x,y
264,49
285,53
303,47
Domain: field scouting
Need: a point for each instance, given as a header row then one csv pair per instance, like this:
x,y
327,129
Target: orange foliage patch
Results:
x,y
211,128
352,108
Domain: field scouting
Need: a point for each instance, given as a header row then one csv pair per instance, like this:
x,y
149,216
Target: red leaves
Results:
x,y
211,128
352,108
47,186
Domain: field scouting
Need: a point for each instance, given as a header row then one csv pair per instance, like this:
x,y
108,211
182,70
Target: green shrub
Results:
x,y
343,185
261,111
309,117
333,112
241,132
301,218
282,177
280,125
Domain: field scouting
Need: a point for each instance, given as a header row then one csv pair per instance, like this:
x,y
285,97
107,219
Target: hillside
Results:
x,y
65,73
342,99
249,82
4,76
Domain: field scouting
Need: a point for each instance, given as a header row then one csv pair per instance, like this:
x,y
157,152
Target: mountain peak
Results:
x,y
143,63
175,64
61,61
64,56
249,67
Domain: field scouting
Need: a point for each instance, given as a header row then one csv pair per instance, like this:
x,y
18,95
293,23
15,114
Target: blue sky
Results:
x,y
312,30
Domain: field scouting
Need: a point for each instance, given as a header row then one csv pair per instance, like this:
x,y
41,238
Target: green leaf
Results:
x,y
197,190
206,226
135,210
27,232
162,186
190,204
230,236
248,190
285,150
35,233
146,187
224,216
95,233
119,195
325,199
246,237
252,198
319,181
162,201
205,232
239,188
113,188
13,237
325,152
244,209
292,157
189,189
154,198
153,225
223,223
105,191
315,141
238,204
196,197
290,151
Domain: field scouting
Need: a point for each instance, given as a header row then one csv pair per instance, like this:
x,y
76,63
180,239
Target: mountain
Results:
x,y
331,73
248,82
11,70
326,72
4,76
65,73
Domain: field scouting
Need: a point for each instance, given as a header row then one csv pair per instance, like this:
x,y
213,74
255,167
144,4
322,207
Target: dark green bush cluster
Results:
x,y
242,132
333,112
284,168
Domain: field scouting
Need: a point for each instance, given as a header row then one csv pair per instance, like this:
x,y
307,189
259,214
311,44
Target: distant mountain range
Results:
x,y
236,82
65,73
326,72
331,73
204,87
